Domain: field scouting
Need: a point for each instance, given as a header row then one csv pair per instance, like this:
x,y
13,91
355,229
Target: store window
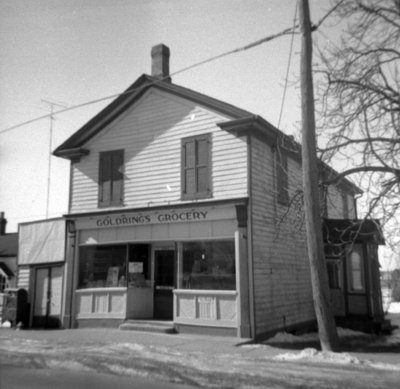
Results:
x,y
139,271
208,265
102,266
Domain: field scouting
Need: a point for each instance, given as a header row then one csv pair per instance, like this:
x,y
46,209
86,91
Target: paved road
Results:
x,y
12,377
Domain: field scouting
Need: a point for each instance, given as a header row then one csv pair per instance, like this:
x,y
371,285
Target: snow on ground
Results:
x,y
348,336
394,307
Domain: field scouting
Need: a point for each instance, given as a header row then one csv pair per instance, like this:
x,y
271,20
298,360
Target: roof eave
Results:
x,y
73,154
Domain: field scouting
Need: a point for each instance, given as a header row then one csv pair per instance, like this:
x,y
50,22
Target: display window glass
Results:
x,y
208,265
110,266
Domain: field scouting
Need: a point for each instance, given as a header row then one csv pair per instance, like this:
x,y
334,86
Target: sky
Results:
x,y
70,52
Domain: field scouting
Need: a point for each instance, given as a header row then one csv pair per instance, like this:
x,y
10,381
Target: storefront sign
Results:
x,y
168,217
156,217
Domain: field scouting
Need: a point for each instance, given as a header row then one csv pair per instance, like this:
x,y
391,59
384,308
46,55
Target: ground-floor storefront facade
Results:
x,y
183,264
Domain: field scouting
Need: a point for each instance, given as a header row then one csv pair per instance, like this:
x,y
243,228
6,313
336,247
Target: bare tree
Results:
x,y
358,103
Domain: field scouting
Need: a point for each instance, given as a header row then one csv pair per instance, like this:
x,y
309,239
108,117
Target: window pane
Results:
x,y
202,179
209,265
190,181
102,266
190,154
356,271
202,152
334,274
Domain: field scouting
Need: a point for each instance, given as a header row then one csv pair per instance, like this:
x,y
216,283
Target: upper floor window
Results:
x,y
196,167
345,201
111,178
282,177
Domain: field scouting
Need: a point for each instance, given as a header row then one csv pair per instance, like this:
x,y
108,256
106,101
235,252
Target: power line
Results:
x,y
268,38
247,47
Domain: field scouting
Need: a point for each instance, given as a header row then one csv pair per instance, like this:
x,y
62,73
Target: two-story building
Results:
x,y
188,209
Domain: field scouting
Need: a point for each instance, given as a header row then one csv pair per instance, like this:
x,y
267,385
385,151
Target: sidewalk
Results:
x,y
206,361
180,342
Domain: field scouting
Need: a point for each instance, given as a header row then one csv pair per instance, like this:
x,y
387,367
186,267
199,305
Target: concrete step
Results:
x,y
164,327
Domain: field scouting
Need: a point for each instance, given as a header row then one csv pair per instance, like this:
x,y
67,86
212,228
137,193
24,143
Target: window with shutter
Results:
x,y
196,167
111,178
282,177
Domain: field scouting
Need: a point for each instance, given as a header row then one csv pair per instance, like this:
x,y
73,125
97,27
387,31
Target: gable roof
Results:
x,y
9,245
73,147
243,122
6,270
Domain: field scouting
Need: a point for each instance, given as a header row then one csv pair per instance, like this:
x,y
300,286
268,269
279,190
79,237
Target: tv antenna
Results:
x,y
52,104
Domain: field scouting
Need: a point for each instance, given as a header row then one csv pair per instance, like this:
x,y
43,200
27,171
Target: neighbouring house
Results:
x,y
8,261
8,256
187,209
42,269
351,254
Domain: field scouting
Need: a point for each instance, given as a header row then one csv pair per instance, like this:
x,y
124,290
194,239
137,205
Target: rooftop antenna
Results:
x,y
52,105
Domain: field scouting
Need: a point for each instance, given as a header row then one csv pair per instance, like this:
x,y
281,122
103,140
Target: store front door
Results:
x,y
164,284
47,301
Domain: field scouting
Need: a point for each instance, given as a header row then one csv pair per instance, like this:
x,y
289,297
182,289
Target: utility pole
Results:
x,y
52,105
319,277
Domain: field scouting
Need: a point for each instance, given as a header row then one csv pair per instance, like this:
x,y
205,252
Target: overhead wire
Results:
x,y
288,66
251,45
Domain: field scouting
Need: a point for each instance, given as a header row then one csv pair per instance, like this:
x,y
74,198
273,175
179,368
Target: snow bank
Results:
x,y
284,337
312,355
317,356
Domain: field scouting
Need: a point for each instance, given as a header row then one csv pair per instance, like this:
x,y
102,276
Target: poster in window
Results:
x,y
112,276
135,267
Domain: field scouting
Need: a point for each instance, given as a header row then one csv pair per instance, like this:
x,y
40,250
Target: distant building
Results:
x,y
187,209
8,256
8,261
42,269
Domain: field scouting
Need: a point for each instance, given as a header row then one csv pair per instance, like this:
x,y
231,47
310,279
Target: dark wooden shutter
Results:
x,y
105,179
202,165
189,167
196,167
111,177
117,174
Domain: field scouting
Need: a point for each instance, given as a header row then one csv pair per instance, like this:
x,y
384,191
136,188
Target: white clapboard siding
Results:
x,y
282,285
150,133
23,277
